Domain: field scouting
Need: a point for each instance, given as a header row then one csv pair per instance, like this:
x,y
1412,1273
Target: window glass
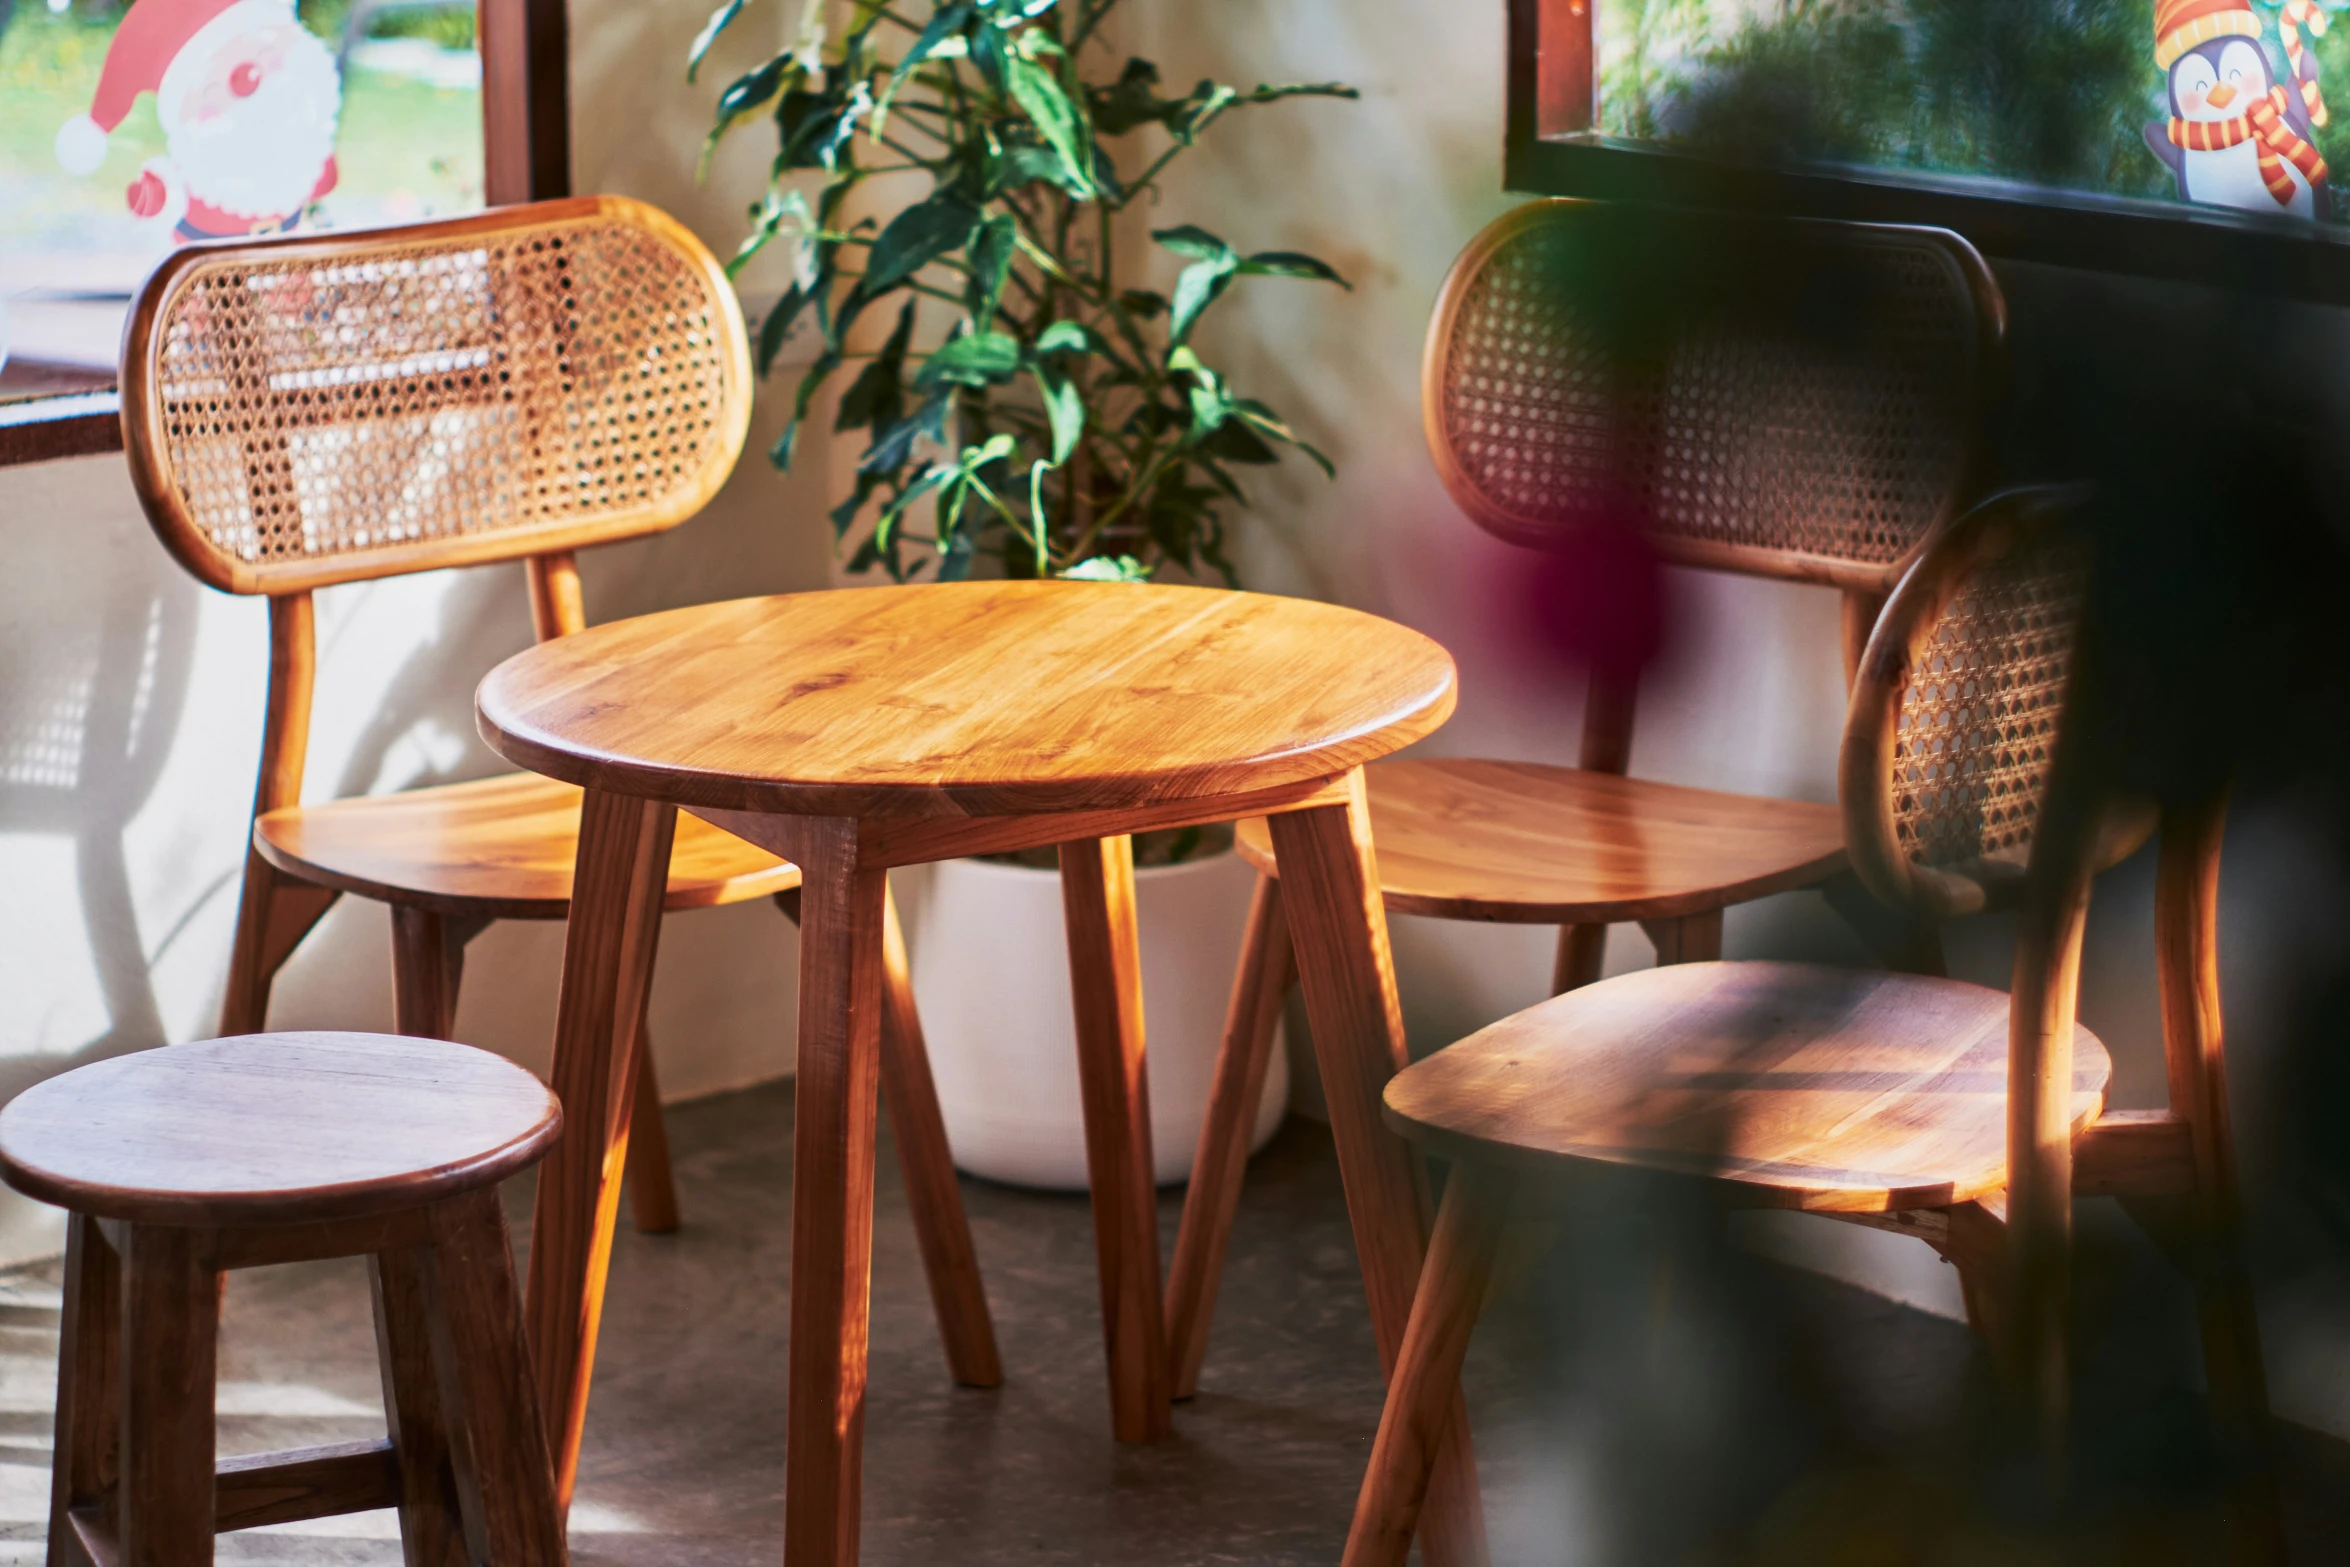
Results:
x,y
2219,102
126,130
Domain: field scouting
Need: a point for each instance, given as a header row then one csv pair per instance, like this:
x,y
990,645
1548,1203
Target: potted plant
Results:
x,y
1027,410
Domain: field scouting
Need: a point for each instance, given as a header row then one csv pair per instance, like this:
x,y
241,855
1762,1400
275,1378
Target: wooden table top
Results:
x,y
969,699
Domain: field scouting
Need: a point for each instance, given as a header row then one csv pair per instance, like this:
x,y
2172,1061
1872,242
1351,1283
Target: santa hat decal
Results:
x,y
2179,25
151,35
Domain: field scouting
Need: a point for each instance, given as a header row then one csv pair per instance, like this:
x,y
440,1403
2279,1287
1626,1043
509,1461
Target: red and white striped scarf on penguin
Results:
x,y
2179,25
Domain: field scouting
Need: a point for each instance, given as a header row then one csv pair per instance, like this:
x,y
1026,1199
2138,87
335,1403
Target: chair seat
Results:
x,y
501,847
275,1129
1521,842
1796,1085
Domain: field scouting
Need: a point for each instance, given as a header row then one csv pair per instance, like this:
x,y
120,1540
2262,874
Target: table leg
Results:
x,y
1338,926
617,890
842,924
1105,978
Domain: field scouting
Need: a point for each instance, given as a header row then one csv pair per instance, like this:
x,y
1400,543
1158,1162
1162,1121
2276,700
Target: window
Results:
x,y
128,130
2179,138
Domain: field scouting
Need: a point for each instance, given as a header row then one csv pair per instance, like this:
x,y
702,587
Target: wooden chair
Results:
x,y
1810,420
176,1165
518,384
1958,1114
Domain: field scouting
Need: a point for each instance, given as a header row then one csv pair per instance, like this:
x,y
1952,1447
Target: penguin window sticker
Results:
x,y
135,128
2240,132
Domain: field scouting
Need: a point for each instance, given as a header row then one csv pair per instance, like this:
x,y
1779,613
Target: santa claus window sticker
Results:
x,y
2217,103
130,129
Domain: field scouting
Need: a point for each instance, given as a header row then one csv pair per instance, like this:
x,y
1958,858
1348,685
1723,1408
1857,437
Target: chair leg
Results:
x,y
1339,925
1693,938
505,1476
1582,953
652,1188
88,1450
949,1260
423,986
170,1332
1105,978
1424,1389
274,913
1268,968
432,1531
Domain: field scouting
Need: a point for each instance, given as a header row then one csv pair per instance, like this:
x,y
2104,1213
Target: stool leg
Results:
x,y
949,1260
170,1331
1105,976
1693,938
1268,968
431,1523
505,1479
88,1451
836,1103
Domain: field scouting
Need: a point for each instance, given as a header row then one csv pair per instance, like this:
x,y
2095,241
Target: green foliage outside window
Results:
x,y
1064,424
2052,92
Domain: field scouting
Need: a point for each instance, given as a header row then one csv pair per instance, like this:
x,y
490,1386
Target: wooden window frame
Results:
x,y
1553,150
526,156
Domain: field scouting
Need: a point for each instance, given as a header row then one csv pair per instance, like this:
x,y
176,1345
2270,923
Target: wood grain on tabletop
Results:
x,y
501,846
1520,841
274,1129
1804,1086
993,698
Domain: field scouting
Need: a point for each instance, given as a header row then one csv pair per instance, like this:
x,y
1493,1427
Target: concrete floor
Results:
x,y
1636,1400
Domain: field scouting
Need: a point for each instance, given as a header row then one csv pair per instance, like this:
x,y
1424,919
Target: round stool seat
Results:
x,y
275,1129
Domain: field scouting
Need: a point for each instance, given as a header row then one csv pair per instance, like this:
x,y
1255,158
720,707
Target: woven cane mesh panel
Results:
x,y
394,394
1745,436
1979,709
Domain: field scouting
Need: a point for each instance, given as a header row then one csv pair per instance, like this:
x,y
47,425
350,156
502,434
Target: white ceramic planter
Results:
x,y
991,974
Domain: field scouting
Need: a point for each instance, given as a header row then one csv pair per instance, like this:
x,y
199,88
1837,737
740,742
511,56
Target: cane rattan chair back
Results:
x,y
303,412
1779,397
1953,722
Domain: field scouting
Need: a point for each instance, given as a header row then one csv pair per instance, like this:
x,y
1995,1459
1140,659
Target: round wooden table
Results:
x,y
859,729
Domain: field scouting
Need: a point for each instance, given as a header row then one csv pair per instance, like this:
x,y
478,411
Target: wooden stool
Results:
x,y
1759,448
856,730
178,1164
1963,1116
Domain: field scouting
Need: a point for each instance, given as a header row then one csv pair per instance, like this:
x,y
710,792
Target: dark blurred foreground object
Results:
x,y
178,1164
1958,1114
1600,387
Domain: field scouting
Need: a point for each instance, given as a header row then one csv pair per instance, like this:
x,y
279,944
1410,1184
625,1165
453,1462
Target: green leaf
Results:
x,y
915,238
1038,93
947,22
786,444
1066,337
709,35
812,128
1108,568
891,446
1064,407
1234,441
1143,304
777,327
993,244
746,94
1266,422
1292,263
877,397
1193,241
1130,101
976,359
1199,286
844,516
